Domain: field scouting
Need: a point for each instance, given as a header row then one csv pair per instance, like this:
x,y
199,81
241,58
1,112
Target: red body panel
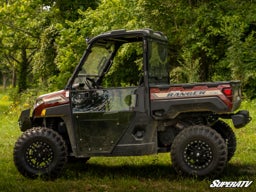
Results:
x,y
50,100
180,92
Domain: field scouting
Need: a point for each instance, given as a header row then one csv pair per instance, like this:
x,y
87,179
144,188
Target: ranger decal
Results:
x,y
177,94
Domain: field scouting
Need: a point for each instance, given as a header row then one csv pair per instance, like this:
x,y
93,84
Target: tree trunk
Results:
x,y
23,70
14,77
5,78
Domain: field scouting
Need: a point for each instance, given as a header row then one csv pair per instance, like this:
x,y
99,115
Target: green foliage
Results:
x,y
41,42
129,60
45,58
68,10
219,34
240,55
188,71
109,15
27,38
20,35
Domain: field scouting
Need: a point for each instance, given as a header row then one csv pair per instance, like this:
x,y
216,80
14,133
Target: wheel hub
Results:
x,y
39,155
198,154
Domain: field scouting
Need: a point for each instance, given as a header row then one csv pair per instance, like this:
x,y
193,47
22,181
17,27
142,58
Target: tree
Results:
x,y
20,36
44,67
109,15
240,30
220,34
28,37
68,10
215,37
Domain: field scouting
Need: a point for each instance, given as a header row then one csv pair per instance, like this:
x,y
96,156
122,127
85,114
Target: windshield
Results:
x,y
95,63
96,60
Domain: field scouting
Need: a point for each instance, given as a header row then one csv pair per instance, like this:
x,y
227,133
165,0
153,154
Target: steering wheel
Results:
x,y
90,83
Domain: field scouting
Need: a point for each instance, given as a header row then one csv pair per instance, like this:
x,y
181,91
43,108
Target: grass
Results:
x,y
145,173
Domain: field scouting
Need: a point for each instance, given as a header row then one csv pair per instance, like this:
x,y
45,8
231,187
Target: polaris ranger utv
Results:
x,y
92,118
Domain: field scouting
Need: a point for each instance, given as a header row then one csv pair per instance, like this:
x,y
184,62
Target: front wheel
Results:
x,y
199,151
40,152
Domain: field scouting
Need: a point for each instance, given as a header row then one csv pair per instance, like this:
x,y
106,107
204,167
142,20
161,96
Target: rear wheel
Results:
x,y
199,151
228,135
40,152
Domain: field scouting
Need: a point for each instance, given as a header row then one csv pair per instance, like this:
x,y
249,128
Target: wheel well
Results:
x,y
55,123
169,129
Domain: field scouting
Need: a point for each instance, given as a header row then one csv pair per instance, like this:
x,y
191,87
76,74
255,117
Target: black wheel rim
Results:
x,y
198,154
39,155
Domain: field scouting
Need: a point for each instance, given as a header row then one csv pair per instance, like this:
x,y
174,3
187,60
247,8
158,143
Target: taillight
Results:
x,y
228,92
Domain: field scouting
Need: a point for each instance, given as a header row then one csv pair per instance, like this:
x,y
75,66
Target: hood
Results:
x,y
50,100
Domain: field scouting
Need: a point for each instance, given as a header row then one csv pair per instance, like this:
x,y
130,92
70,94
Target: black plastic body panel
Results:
x,y
64,112
241,118
25,120
58,111
169,109
99,132
139,139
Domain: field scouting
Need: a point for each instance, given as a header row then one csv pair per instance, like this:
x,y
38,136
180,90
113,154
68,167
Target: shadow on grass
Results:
x,y
119,171
150,172
237,170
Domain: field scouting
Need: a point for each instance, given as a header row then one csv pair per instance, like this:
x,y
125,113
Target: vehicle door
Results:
x,y
101,117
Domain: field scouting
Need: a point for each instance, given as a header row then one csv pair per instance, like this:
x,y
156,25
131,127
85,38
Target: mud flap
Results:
x,y
24,120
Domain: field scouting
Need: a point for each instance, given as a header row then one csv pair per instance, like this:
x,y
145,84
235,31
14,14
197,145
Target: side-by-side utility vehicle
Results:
x,y
106,112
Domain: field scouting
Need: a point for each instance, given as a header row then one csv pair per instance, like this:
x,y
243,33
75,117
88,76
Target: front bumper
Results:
x,y
241,118
25,120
